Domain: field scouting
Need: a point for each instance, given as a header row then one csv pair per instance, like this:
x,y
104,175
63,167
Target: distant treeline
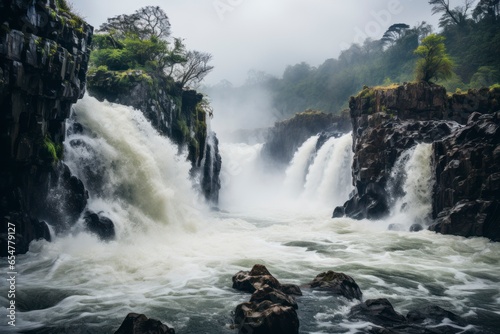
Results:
x,y
472,39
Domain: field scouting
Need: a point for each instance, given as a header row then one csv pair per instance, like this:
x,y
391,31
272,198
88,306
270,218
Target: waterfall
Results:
x,y
295,174
133,174
328,178
410,185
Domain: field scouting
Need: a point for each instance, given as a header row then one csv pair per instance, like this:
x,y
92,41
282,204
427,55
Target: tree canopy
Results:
x,y
434,62
142,41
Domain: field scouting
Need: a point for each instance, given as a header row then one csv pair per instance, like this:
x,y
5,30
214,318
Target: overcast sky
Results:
x,y
268,35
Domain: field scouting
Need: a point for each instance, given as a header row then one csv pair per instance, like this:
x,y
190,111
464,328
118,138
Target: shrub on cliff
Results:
x,y
434,62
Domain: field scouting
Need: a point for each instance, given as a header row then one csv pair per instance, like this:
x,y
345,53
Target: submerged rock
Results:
x,y
135,323
100,225
378,311
431,319
337,283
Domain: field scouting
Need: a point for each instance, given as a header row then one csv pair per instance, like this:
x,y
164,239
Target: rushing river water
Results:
x,y
173,259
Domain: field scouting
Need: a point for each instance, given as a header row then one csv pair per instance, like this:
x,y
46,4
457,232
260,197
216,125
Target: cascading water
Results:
x,y
173,260
302,159
411,187
329,177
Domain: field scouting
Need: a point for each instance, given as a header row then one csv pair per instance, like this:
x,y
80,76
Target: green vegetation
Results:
x,y
469,33
54,150
434,63
140,41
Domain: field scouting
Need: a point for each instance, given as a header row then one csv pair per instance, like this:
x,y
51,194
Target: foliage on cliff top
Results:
x,y
142,41
434,62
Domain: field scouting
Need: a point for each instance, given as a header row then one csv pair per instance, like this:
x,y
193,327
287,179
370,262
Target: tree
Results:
x,y
145,23
434,62
194,69
487,9
457,15
395,32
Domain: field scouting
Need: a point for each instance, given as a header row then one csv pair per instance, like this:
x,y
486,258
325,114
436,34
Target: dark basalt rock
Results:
x,y
44,54
467,173
249,281
433,315
26,230
378,311
275,296
337,283
100,225
427,320
266,318
464,131
286,136
135,323
271,309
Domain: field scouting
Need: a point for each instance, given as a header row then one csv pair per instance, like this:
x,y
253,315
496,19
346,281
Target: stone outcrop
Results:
x,y
338,284
387,121
176,113
467,170
271,309
135,323
44,52
287,136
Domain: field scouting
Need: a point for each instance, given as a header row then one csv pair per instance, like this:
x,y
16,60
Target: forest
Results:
x,y
472,39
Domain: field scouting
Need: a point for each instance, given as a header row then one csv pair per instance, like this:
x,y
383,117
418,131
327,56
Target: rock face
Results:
x,y
271,309
286,136
387,121
135,323
174,112
467,169
44,52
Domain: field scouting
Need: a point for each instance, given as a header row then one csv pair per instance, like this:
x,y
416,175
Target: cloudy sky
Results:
x,y
268,35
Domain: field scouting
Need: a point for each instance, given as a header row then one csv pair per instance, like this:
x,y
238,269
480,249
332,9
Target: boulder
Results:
x,y
135,323
275,296
338,284
266,318
378,311
100,225
249,281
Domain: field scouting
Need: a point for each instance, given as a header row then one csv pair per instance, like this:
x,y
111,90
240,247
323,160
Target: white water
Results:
x,y
414,170
173,261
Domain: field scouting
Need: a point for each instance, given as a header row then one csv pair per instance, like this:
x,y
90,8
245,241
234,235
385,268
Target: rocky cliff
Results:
x,y
286,136
463,128
44,52
178,114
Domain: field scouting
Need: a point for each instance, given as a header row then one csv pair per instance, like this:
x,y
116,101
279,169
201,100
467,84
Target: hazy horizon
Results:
x,y
257,35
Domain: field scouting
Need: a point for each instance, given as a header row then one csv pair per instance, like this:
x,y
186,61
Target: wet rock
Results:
x,y
337,283
249,281
416,228
24,229
135,323
43,65
100,225
291,289
275,296
433,315
286,136
266,318
467,171
377,311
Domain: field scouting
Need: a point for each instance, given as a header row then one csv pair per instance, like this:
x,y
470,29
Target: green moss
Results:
x,y
182,125
495,88
54,150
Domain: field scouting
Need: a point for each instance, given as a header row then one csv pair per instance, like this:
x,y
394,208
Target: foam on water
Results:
x,y
173,260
